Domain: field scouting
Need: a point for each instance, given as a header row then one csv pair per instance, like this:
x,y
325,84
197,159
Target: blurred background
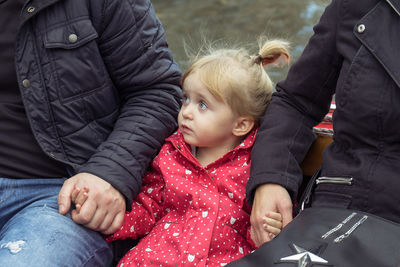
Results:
x,y
238,22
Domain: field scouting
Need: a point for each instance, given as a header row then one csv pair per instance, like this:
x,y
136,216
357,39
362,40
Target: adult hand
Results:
x,y
104,209
268,198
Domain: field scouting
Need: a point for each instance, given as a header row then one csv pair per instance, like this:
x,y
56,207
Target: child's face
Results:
x,y
203,120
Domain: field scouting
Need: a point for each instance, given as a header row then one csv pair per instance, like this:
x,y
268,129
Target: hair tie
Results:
x,y
268,59
258,59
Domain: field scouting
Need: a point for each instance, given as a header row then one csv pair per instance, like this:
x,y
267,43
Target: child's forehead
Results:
x,y
194,87
193,82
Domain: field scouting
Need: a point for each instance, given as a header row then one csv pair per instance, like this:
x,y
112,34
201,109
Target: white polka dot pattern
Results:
x,y
189,215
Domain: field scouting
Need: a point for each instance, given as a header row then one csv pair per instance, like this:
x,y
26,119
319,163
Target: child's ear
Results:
x,y
243,126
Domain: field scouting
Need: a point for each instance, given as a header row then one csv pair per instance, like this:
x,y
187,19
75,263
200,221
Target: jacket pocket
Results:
x,y
332,191
75,59
70,36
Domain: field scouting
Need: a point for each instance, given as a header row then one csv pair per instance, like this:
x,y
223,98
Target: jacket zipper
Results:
x,y
334,180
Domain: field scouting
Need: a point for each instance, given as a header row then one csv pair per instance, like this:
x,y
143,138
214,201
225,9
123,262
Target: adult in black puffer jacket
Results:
x,y
89,90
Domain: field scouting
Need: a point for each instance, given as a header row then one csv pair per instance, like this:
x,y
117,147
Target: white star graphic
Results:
x,y
303,257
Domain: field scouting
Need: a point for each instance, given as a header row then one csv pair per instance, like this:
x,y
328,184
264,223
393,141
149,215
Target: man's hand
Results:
x,y
104,208
268,198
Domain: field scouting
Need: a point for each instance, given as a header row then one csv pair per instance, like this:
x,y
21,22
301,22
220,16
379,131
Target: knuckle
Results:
x,y
108,199
85,219
119,200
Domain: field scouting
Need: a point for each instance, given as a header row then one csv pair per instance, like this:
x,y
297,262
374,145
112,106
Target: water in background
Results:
x,y
240,22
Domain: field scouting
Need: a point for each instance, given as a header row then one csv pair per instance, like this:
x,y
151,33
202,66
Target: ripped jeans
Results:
x,y
33,233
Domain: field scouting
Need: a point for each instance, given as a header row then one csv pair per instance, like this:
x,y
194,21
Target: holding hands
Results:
x,y
270,200
99,206
78,197
272,223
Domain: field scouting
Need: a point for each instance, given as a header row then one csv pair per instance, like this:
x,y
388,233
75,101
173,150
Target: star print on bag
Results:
x,y
305,258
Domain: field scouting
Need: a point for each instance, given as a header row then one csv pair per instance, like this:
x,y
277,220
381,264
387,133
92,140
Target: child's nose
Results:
x,y
187,111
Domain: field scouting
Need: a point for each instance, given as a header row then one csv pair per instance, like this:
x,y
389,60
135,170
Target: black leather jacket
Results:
x,y
355,54
99,85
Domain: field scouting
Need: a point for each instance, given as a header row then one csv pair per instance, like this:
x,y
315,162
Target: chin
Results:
x,y
189,140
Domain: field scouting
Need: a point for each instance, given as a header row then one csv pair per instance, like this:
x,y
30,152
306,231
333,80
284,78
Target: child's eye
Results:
x,y
185,99
203,105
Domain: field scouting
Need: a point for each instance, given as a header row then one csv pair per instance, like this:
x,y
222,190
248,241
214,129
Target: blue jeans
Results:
x,y
33,233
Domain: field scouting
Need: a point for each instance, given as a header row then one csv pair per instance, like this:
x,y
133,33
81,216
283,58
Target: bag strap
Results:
x,y
305,199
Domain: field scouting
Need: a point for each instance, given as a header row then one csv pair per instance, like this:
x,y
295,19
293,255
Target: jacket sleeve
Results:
x,y
135,51
300,102
146,210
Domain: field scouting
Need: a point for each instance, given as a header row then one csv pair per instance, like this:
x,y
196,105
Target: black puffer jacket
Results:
x,y
99,85
355,54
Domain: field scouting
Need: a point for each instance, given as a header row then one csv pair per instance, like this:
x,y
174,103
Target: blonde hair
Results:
x,y
238,78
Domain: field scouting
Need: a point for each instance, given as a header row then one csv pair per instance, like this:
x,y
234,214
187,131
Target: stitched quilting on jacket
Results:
x,y
190,215
99,85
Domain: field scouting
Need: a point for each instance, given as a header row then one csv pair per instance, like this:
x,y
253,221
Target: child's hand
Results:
x,y
273,223
79,197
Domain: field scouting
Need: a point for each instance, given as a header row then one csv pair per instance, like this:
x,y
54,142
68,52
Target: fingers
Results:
x,y
99,206
258,233
98,219
260,207
79,197
86,212
274,216
272,226
274,200
82,196
75,193
106,223
64,196
272,230
115,225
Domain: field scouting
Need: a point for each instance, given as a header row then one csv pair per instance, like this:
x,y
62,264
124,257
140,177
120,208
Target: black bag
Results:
x,y
330,237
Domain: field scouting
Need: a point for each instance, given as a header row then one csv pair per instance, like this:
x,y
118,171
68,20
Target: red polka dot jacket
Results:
x,y
189,215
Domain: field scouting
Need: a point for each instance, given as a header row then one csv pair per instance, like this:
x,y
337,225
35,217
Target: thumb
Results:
x,y
64,197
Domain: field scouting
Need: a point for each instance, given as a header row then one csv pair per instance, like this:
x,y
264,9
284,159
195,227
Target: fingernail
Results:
x,y
61,208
